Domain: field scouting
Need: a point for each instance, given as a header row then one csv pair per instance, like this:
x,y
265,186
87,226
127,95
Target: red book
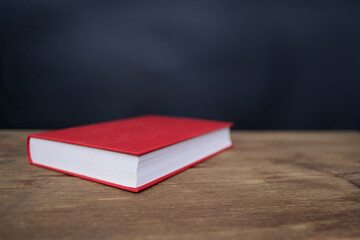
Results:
x,y
132,153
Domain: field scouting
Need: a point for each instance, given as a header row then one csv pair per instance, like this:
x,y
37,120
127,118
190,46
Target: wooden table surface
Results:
x,y
271,185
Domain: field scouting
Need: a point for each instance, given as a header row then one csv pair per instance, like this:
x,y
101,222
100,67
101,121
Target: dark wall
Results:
x,y
260,64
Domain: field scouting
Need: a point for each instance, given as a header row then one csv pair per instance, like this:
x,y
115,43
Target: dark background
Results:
x,y
260,64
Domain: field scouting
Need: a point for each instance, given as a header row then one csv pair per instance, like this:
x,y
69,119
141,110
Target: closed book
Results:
x,y
131,154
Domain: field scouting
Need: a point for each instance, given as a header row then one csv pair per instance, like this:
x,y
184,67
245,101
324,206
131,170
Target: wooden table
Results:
x,y
271,185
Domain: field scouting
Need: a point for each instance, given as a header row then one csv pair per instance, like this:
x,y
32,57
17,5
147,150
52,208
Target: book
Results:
x,y
131,154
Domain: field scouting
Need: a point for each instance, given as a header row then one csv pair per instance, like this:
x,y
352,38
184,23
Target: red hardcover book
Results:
x,y
130,154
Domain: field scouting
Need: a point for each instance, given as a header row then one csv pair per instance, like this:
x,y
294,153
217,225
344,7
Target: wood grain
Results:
x,y
271,185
